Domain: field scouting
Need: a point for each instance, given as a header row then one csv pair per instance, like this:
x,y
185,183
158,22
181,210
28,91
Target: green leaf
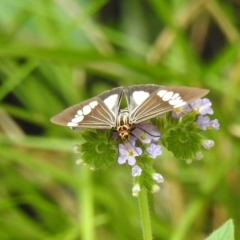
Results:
x,y
182,143
98,151
225,232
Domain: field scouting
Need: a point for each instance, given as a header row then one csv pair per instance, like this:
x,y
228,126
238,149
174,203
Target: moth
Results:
x,y
144,101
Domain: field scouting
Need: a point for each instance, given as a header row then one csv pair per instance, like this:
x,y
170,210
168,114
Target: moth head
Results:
x,y
124,135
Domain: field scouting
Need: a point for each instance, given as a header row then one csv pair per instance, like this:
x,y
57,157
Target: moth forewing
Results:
x,y
112,99
99,112
162,100
136,94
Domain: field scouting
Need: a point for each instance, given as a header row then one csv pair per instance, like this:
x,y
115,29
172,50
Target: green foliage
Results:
x,y
56,53
226,231
183,137
99,151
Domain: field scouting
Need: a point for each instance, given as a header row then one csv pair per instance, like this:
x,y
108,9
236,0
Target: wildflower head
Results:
x,y
136,171
181,135
202,106
128,152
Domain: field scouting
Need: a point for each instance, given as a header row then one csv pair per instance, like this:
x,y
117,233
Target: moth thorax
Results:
x,y
123,126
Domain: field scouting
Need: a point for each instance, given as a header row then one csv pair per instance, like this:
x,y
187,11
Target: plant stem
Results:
x,y
86,203
145,215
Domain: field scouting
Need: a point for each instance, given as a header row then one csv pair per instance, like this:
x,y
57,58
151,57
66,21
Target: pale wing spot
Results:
x,y
93,104
180,104
72,124
161,93
79,112
175,101
140,96
77,119
111,101
86,110
175,95
167,96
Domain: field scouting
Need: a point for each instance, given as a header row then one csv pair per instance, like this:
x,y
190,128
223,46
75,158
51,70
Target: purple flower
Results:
x,y
128,152
214,124
154,150
202,106
207,144
146,132
136,171
203,122
179,112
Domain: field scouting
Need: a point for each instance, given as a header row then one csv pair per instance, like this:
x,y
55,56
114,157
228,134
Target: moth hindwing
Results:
x,y
144,102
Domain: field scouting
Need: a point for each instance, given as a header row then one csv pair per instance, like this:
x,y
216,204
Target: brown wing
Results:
x,y
148,101
98,112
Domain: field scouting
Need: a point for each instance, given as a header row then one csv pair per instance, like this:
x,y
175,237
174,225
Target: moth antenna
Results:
x,y
139,141
147,132
133,146
111,135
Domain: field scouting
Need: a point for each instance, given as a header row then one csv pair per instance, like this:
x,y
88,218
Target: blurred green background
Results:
x,y
56,53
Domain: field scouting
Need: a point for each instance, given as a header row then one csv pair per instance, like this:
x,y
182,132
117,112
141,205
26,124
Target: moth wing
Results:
x,y
148,101
99,112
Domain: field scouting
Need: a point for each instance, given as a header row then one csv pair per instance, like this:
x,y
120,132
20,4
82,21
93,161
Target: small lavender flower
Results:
x,y
136,189
128,152
207,144
136,171
158,178
202,106
146,132
179,112
154,150
203,122
214,124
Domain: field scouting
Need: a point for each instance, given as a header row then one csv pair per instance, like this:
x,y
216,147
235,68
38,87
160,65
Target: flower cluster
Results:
x,y
183,139
181,133
201,107
147,136
192,119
